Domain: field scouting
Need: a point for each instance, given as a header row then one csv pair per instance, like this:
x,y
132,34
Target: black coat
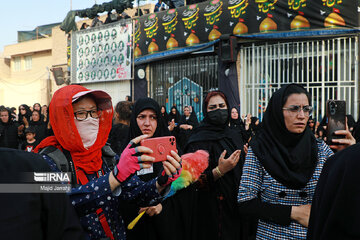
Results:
x,y
118,137
335,208
33,215
147,228
9,135
41,130
239,126
207,209
184,135
217,215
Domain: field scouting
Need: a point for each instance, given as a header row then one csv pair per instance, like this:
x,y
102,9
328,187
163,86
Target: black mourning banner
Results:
x,y
205,22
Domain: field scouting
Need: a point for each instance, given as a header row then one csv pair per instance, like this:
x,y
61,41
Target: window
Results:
x,y
184,81
323,67
17,64
28,62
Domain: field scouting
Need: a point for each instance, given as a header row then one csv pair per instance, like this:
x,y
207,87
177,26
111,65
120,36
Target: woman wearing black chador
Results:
x,y
216,209
238,125
187,123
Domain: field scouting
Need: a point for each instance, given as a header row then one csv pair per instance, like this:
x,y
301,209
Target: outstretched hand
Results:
x,y
227,164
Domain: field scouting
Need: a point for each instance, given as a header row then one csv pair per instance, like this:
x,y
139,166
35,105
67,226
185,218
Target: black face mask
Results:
x,y
218,117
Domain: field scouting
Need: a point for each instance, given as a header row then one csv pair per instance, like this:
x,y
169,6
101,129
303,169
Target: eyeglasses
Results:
x,y
22,108
295,109
221,105
82,115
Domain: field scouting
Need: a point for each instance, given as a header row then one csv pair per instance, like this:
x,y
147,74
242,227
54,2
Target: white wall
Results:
x,y
117,90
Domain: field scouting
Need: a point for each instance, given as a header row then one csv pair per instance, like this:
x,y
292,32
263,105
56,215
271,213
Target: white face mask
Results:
x,y
88,130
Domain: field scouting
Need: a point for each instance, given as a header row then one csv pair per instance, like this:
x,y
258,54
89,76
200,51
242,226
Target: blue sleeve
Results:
x,y
89,197
51,163
327,150
251,179
141,193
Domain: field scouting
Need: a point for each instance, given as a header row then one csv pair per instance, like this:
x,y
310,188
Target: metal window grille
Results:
x,y
328,69
183,82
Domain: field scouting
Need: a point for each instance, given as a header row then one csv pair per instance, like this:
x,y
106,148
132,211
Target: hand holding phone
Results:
x,y
161,147
336,114
345,142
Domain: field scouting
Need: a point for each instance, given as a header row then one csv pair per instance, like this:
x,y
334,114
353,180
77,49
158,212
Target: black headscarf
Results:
x,y
209,131
253,125
130,210
193,117
134,130
141,105
163,115
215,138
236,122
27,114
192,120
175,116
288,157
308,123
38,122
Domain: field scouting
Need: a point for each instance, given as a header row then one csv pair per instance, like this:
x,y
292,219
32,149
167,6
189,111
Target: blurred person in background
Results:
x,y
30,143
44,112
238,125
120,128
9,132
42,129
24,113
187,123
173,121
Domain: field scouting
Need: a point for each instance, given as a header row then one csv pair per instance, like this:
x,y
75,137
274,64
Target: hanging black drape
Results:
x,y
228,82
140,84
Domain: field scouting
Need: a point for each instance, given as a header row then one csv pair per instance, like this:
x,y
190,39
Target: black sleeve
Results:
x,y
245,135
59,218
275,213
207,176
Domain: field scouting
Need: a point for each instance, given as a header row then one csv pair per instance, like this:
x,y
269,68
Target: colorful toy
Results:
x,y
193,164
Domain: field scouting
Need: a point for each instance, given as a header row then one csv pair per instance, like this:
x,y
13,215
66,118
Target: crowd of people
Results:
x,y
24,128
261,181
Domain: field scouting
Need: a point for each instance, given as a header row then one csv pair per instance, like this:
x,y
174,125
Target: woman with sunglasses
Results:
x,y
24,112
282,167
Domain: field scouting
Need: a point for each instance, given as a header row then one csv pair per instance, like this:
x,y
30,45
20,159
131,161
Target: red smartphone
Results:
x,y
161,147
336,114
